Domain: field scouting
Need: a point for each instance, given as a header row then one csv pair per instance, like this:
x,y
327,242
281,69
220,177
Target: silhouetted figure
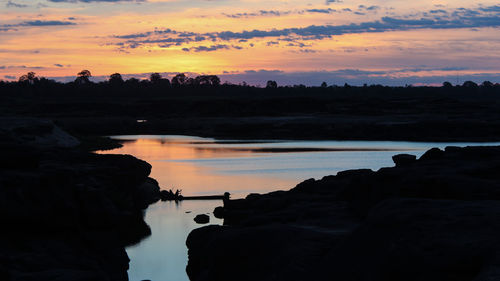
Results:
x,y
226,198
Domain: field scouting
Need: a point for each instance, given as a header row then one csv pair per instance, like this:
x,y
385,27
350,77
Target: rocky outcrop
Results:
x,y
435,218
404,159
67,214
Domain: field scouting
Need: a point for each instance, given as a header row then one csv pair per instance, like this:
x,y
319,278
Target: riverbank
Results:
x,y
67,213
435,218
429,114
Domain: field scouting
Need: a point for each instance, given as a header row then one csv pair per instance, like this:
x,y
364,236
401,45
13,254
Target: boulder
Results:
x,y
202,219
219,212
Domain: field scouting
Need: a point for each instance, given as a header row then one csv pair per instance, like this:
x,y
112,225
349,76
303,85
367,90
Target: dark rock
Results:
x,y
219,212
252,196
164,195
67,214
170,195
259,253
452,148
37,132
354,173
148,193
404,159
414,239
434,219
202,219
433,153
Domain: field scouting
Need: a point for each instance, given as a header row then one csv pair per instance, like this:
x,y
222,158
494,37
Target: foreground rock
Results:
x,y
435,218
67,214
202,219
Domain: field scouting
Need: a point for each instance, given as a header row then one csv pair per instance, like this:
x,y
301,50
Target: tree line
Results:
x,y
83,77
182,80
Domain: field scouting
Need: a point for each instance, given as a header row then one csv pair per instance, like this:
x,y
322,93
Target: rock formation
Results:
x,y
67,214
435,218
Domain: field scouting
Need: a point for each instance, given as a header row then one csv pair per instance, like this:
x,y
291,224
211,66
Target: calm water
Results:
x,y
201,166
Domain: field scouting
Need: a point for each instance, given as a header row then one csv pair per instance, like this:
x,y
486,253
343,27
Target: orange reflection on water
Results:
x,y
175,165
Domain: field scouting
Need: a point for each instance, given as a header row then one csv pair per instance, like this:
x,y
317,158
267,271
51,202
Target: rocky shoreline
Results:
x,y
67,214
435,218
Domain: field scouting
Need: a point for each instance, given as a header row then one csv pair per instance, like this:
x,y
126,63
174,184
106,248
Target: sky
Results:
x,y
390,42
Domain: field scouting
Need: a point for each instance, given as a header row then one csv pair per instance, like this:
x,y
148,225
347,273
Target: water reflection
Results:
x,y
163,255
202,166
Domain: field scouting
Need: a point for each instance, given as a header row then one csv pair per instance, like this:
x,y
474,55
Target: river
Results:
x,y
204,166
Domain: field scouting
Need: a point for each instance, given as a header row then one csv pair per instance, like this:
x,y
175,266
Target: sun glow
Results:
x,y
60,39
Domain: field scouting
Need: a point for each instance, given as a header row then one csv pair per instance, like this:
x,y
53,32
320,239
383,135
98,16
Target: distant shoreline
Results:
x,y
433,114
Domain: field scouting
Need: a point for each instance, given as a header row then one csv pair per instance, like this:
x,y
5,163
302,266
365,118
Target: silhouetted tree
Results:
x,y
179,79
487,84
469,84
447,85
43,80
271,84
132,81
207,80
115,78
83,77
157,80
155,77
29,78
214,80
324,85
190,82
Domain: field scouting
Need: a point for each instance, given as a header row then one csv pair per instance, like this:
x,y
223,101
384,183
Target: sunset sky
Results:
x,y
337,41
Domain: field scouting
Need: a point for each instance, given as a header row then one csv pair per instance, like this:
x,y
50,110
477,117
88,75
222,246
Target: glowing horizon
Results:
x,y
357,42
